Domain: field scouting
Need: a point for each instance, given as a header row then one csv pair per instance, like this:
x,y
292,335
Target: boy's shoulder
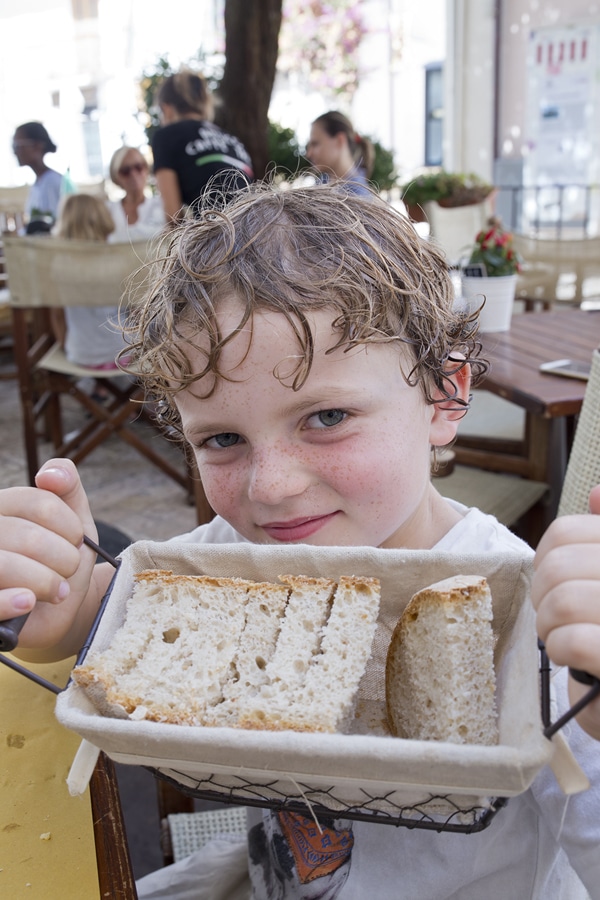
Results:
x,y
478,532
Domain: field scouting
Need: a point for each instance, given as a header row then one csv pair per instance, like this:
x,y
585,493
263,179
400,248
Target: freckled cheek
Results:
x,y
353,472
223,487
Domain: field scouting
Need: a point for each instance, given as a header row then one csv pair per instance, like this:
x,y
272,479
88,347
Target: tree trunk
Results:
x,y
251,46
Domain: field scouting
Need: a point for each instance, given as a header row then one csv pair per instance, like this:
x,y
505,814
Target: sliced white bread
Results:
x,y
440,679
328,631
219,651
176,650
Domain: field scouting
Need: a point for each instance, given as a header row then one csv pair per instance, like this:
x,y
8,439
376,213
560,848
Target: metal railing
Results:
x,y
552,210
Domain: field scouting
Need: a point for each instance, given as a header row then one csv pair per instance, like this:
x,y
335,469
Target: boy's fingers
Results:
x,y
595,500
575,646
566,531
575,603
21,575
60,476
15,602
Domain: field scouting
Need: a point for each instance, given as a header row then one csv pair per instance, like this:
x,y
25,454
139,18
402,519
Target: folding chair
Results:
x,y
559,272
47,273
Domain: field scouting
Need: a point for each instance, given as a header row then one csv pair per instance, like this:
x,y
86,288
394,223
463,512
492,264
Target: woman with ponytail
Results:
x,y
339,153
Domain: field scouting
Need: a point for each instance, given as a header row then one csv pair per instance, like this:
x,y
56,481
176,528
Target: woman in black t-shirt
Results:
x,y
190,150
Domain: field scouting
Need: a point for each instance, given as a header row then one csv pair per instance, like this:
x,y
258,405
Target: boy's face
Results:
x,y
343,461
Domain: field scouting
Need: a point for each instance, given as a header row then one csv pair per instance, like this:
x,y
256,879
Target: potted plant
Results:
x,y
448,189
490,273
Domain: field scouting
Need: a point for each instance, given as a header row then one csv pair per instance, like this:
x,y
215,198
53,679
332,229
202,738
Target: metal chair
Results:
x,y
48,273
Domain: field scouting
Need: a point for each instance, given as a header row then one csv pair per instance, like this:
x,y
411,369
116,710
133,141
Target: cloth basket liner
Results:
x,y
367,766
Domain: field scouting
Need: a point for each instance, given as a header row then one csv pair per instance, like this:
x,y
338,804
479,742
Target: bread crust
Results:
x,y
446,691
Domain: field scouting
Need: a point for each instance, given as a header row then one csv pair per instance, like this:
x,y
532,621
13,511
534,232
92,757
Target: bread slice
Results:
x,y
200,650
440,679
176,650
320,658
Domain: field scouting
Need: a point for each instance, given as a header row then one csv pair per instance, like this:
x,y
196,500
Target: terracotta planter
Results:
x,y
499,295
416,213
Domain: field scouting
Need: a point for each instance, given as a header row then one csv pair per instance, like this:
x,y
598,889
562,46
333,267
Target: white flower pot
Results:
x,y
499,296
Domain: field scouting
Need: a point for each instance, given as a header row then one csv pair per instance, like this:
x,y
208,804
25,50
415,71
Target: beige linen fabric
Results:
x,y
340,770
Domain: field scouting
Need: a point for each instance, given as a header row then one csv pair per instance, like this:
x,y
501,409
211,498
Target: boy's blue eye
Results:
x,y
330,417
227,439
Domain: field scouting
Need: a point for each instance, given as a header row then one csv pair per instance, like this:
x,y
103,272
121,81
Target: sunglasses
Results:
x,y
136,167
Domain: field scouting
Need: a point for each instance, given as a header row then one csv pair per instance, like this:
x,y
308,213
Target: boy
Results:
x,y
306,344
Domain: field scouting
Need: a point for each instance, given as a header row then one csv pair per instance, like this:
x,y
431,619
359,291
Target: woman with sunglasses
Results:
x,y
137,215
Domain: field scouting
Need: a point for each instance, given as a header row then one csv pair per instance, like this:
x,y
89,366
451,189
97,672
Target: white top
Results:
x,y
44,195
151,219
528,852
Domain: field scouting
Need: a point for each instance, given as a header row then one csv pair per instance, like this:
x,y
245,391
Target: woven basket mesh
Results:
x,y
583,470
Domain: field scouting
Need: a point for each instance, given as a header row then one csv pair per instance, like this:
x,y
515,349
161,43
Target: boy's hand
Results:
x,y
566,595
42,555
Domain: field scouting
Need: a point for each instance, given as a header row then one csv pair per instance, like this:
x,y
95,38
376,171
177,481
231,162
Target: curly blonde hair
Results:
x,y
293,252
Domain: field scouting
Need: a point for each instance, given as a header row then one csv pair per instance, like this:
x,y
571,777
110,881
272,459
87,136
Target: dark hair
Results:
x,y
361,148
187,92
293,252
35,131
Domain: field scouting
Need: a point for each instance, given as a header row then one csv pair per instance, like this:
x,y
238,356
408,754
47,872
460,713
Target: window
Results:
x,y
434,114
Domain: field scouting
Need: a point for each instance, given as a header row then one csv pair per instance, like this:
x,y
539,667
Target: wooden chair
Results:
x,y
47,273
558,272
12,208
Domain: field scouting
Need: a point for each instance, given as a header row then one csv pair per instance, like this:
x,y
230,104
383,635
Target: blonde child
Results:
x,y
90,335
306,345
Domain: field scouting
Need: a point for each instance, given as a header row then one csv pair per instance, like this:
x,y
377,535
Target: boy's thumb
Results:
x,y
60,477
595,500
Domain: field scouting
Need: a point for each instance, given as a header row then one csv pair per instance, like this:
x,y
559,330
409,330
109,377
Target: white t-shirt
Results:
x,y
44,196
528,852
151,220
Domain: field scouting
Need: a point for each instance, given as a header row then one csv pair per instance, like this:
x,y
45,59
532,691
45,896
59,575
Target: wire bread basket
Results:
x,y
367,775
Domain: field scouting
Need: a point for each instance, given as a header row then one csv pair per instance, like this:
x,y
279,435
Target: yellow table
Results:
x,y
47,848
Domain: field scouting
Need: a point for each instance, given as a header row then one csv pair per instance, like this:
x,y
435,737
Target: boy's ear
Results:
x,y
447,413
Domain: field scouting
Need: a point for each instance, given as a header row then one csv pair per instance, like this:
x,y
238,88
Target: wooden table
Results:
x,y
551,402
54,846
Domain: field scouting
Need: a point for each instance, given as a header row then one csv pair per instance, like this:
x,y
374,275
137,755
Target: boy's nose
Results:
x,y
275,476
